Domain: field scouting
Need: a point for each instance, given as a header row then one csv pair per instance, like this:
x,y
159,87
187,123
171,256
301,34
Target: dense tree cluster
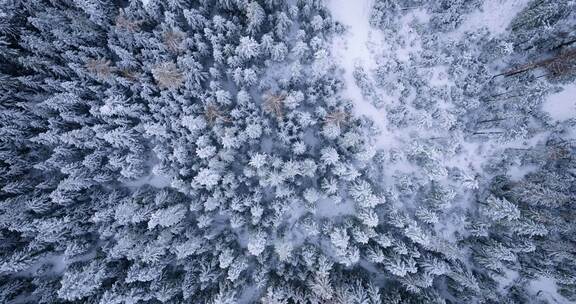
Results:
x,y
201,151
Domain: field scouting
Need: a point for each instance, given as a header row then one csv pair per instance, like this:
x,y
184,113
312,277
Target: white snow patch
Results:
x,y
507,278
248,295
562,105
410,36
545,289
156,181
361,45
330,208
439,76
354,49
355,15
517,172
495,15
470,158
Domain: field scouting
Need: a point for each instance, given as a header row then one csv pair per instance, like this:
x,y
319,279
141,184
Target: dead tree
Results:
x,y
558,65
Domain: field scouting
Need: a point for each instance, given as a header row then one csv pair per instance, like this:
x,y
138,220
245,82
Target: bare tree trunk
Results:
x,y
558,61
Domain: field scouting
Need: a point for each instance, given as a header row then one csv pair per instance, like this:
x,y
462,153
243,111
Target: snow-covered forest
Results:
x,y
287,151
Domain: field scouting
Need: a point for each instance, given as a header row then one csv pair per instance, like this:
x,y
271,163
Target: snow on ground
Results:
x,y
439,76
359,46
545,289
362,45
156,181
562,106
495,15
328,208
353,49
518,172
412,39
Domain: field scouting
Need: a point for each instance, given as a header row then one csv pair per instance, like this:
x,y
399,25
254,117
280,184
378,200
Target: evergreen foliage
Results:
x,y
203,152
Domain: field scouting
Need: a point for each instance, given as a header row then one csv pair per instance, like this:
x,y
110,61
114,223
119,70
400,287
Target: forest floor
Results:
x,y
361,46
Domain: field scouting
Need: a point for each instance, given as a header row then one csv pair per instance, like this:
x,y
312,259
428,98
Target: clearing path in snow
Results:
x,y
352,50
495,15
562,106
366,48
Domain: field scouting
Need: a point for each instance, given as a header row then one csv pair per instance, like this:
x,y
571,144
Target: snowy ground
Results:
x,y
358,47
546,289
352,50
362,45
562,106
495,15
